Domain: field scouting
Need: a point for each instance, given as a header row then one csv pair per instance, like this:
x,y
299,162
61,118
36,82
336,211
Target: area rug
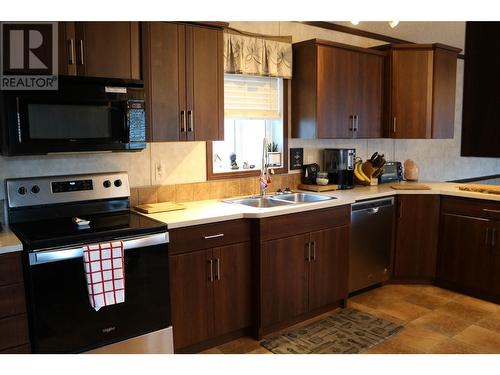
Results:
x,y
346,332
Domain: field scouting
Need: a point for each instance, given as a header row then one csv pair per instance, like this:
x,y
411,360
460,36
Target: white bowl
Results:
x,y
322,181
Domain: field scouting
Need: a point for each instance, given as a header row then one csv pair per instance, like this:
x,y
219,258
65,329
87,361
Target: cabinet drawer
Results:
x,y
471,207
12,300
11,269
209,235
303,222
13,331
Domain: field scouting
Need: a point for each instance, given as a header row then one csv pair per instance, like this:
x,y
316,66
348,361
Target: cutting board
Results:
x,y
318,188
151,208
481,188
411,187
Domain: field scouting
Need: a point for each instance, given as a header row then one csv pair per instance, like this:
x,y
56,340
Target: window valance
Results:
x,y
246,54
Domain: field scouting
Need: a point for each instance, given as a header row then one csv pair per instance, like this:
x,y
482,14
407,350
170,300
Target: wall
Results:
x,y
185,162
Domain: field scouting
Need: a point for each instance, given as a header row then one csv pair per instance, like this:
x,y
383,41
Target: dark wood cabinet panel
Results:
x,y
162,81
208,236
184,80
11,268
13,331
204,83
108,49
283,279
420,85
191,296
12,301
21,349
480,115
232,288
495,261
465,258
337,91
417,232
328,267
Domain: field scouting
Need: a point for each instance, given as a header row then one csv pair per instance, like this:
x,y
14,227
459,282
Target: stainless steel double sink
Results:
x,y
280,200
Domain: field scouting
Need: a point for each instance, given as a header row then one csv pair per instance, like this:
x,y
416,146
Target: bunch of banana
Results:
x,y
359,175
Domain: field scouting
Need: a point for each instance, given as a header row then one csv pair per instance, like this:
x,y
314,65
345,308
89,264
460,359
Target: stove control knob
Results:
x,y
21,190
106,184
118,183
35,189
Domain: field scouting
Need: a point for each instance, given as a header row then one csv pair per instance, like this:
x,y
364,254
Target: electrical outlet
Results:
x,y
159,170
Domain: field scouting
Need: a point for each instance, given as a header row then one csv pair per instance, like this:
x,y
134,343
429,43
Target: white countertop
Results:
x,y
210,211
8,241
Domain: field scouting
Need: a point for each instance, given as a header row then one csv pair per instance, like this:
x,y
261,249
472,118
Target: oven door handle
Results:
x,y
60,254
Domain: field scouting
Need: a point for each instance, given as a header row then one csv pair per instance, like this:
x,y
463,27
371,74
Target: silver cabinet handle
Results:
x,y
213,236
494,237
190,126
394,124
314,250
487,236
308,258
211,277
217,275
357,122
183,121
81,51
71,51
351,123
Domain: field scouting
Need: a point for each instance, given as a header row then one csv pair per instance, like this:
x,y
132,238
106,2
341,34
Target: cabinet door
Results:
x,y
495,263
411,94
204,84
465,254
283,279
335,91
162,63
191,297
417,228
66,52
232,288
368,96
328,266
108,49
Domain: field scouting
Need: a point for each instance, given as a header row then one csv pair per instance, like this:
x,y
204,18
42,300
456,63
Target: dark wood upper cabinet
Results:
x,y
480,114
184,80
337,91
100,49
420,83
417,230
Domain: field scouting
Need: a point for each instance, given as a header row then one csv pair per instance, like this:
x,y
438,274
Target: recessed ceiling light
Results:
x,y
393,24
355,22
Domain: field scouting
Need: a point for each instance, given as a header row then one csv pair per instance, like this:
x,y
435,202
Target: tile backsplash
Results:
x,y
179,163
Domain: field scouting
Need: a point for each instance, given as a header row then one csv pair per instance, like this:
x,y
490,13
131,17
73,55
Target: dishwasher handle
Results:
x,y
372,206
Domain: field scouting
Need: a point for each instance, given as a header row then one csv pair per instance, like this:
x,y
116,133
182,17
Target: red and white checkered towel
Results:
x,y
105,273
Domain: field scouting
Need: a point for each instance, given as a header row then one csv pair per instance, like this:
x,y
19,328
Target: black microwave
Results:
x,y
84,114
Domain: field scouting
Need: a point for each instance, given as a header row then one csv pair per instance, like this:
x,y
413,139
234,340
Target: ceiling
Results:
x,y
451,33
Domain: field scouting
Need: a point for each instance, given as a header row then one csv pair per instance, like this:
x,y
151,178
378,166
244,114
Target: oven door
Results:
x,y
61,317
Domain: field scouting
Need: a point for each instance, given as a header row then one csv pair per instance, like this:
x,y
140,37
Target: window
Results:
x,y
253,110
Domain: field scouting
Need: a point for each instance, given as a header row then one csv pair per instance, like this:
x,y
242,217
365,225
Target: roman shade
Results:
x,y
252,97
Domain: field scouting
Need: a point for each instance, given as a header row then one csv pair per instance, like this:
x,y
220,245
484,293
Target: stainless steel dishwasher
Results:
x,y
372,223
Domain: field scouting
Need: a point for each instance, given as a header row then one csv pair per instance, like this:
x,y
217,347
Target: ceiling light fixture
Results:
x,y
355,22
393,24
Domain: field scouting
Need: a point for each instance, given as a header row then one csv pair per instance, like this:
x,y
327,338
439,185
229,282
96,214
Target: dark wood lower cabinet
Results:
x,y
464,255
210,294
328,271
232,288
284,267
191,298
495,259
417,233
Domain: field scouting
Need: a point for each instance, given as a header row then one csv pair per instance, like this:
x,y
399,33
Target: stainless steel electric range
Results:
x,y
43,212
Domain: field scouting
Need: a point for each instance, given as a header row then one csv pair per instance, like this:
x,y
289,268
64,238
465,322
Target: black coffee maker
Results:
x,y
339,164
309,173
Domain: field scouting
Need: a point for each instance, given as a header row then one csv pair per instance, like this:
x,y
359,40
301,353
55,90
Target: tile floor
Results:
x,y
436,321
